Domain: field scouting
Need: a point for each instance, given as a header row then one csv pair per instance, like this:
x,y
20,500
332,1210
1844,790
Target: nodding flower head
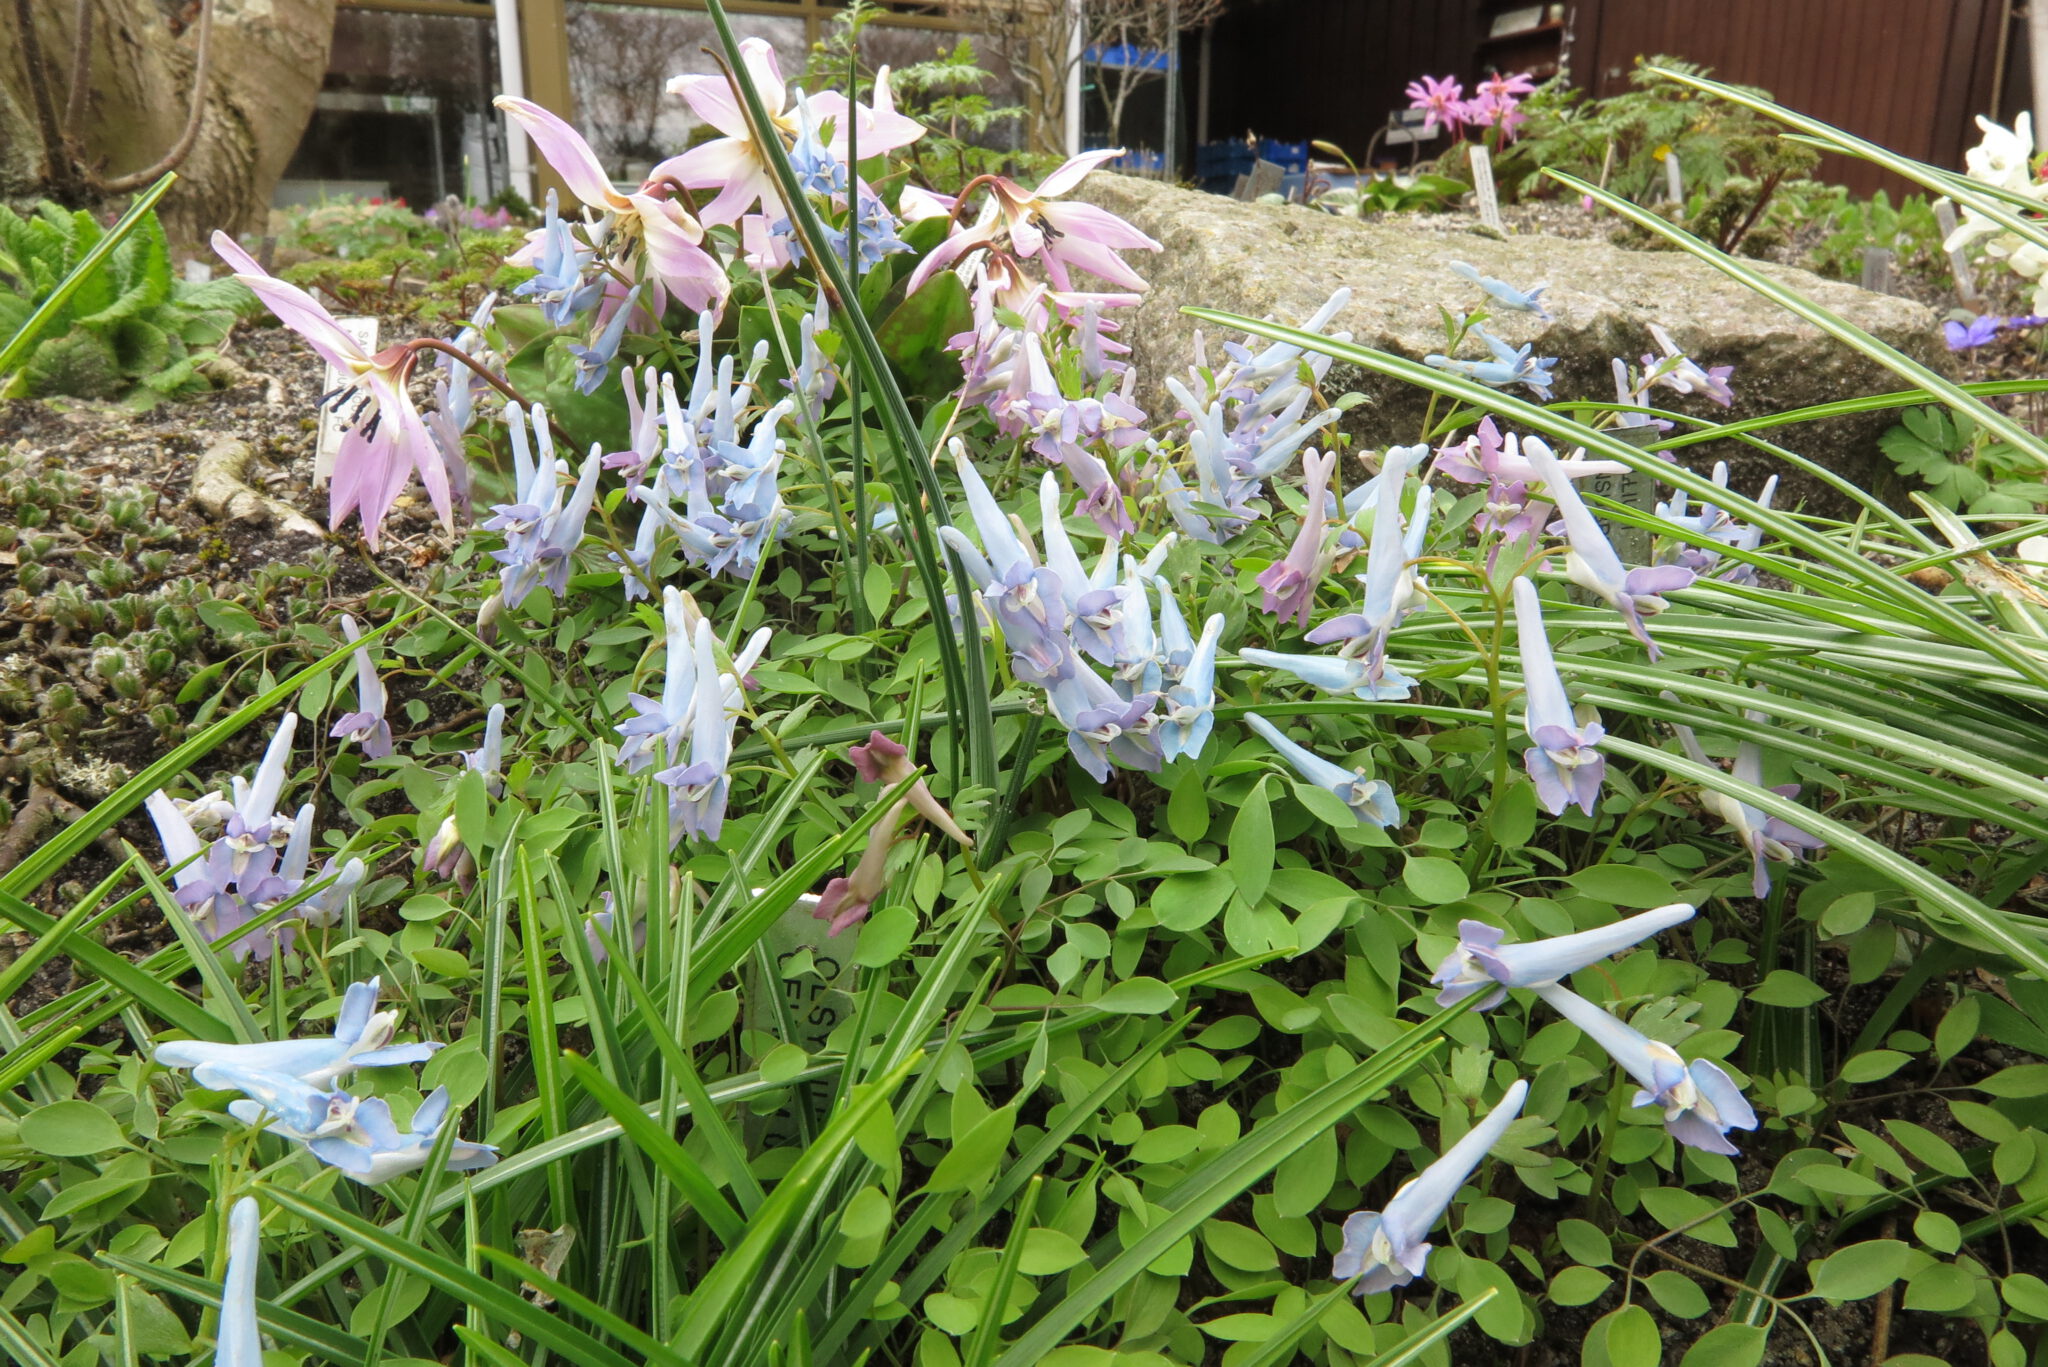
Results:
x,y
1389,1248
1482,963
1701,1103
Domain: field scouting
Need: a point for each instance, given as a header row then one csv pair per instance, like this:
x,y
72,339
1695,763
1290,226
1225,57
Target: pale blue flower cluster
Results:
x,y
719,454
568,279
1246,431
1157,704
545,526
290,1088
691,725
258,859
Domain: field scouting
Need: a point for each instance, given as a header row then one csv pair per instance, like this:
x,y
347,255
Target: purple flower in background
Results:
x,y
1680,372
1979,331
1563,763
1701,1103
1388,1248
366,725
1482,962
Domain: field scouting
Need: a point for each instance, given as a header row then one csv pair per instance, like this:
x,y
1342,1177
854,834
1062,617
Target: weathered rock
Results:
x,y
1283,262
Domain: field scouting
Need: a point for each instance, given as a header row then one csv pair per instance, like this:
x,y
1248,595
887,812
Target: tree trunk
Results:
x,y
263,74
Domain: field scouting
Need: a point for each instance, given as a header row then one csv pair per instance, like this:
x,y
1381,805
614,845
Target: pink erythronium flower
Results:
x,y
1061,235
676,258
1443,101
387,438
737,164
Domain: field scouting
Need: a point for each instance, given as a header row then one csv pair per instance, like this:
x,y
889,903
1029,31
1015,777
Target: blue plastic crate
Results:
x,y
1218,159
1292,156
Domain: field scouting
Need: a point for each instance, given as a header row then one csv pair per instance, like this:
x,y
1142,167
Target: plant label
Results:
x,y
1482,186
1958,260
1674,177
333,420
1877,270
798,990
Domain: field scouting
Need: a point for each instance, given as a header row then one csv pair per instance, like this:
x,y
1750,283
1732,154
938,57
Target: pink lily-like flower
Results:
x,y
673,240
737,164
387,438
1441,99
1062,236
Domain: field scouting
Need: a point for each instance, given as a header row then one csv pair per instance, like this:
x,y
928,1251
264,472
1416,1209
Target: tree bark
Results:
x,y
263,75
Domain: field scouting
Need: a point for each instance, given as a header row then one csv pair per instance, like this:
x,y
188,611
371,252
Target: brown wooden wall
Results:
x,y
1299,69
1906,73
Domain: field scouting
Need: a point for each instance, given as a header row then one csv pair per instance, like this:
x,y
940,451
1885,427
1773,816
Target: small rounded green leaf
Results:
x,y
1435,881
1137,997
1861,1270
1731,1345
1679,1294
1579,1286
70,1129
1632,1337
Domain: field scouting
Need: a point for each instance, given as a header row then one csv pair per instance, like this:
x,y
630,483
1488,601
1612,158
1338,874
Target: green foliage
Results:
x,y
1910,231
1961,466
131,331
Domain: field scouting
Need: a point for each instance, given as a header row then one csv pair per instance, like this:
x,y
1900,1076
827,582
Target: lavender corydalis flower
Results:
x,y
1191,702
1564,764
1290,582
1592,563
1482,962
1701,1103
1767,838
1389,1248
1371,800
1510,365
366,725
544,527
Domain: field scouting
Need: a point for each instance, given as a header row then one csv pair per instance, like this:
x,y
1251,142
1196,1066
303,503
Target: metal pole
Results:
x,y
1077,47
1172,89
512,81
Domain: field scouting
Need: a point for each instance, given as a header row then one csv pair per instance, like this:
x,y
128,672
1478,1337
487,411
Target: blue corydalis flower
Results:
x,y
1701,1103
1027,600
1481,961
282,1104
362,1039
593,362
237,1338
544,527
1591,562
1336,674
1563,763
1391,587
1388,1248
1370,799
560,260
373,1149
1504,294
1510,365
366,725
1191,702
1101,723
699,789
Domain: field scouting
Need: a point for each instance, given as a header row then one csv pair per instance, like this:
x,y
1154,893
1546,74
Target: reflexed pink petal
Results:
x,y
563,148
1091,224
880,131
294,308
765,251
711,100
1090,257
1070,174
750,186
710,163
367,477
766,69
944,255
916,204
